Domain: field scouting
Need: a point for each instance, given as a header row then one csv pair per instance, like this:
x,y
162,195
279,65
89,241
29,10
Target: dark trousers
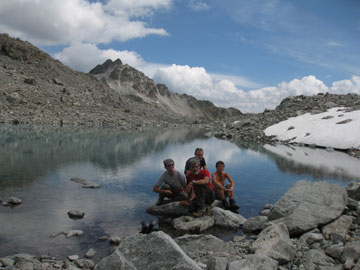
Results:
x,y
177,196
204,196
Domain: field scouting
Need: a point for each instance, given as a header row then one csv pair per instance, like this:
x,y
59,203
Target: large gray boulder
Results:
x,y
309,204
274,242
191,224
171,209
156,250
254,262
227,219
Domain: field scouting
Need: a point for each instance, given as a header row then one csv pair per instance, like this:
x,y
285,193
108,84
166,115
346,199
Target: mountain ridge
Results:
x,y
127,80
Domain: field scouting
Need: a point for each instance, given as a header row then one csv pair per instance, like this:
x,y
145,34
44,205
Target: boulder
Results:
x,y
170,209
156,250
190,224
254,224
337,230
353,190
227,219
252,262
115,261
309,204
274,242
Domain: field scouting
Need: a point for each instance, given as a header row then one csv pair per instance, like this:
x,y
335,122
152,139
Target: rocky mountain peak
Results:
x,y
108,65
127,80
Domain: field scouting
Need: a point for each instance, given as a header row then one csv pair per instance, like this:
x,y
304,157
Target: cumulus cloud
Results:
x,y
50,22
197,82
84,56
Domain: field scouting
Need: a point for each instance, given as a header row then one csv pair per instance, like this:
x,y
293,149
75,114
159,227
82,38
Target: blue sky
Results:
x,y
245,54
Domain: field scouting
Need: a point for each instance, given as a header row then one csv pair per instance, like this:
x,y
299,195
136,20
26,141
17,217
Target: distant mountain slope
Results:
x,y
37,89
126,80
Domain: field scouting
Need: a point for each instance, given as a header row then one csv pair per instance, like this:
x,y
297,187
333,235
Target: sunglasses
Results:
x,y
170,165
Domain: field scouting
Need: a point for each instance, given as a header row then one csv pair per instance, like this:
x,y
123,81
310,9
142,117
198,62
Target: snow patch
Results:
x,y
329,129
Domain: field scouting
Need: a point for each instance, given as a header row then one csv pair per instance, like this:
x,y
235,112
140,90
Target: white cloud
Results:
x,y
85,56
51,22
346,86
198,5
197,82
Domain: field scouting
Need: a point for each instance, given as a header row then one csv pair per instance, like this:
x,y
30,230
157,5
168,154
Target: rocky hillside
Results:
x,y
37,89
126,80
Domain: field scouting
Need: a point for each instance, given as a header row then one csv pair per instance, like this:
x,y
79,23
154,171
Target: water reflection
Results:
x,y
319,163
36,165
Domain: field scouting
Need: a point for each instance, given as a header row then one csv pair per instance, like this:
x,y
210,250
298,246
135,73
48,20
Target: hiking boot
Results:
x,y
160,201
225,204
233,205
199,212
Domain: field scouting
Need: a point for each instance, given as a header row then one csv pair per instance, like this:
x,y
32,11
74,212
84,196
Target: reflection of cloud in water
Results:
x,y
317,162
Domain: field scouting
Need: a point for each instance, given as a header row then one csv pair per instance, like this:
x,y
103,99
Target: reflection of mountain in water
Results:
x,y
318,163
27,153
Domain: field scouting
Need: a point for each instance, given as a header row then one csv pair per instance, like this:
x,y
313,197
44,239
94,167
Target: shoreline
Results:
x,y
333,237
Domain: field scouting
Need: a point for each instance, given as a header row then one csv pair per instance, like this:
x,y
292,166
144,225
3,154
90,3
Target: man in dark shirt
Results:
x,y
198,184
199,154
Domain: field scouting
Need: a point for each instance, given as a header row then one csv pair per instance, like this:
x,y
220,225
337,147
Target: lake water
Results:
x,y
36,165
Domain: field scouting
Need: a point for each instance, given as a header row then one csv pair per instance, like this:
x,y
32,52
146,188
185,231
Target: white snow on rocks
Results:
x,y
323,129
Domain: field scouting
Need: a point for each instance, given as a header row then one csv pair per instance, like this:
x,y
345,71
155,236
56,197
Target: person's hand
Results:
x,y
169,192
185,203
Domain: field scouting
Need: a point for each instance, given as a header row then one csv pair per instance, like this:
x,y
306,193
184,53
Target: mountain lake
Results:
x,y
36,165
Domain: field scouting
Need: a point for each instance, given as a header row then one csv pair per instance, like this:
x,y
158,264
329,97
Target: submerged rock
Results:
x,y
85,183
14,201
76,214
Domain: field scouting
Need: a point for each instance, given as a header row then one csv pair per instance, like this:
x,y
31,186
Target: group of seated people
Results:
x,y
193,187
